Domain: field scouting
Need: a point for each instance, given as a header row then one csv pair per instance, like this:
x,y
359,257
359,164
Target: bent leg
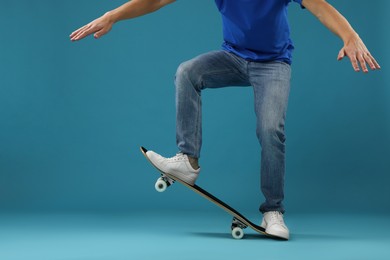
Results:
x,y
211,70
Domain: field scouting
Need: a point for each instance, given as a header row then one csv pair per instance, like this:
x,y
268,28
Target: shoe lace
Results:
x,y
276,217
177,157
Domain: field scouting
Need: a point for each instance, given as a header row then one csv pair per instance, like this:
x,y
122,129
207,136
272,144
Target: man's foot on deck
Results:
x,y
274,225
179,166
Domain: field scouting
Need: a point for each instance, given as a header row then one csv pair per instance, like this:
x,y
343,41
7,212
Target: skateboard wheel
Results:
x,y
160,185
237,233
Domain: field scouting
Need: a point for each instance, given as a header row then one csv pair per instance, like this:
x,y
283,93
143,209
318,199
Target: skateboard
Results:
x,y
239,222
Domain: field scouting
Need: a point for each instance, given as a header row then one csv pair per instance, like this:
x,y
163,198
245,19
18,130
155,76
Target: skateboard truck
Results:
x,y
237,228
163,183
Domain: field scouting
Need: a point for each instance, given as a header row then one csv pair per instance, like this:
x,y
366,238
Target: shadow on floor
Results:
x,y
293,237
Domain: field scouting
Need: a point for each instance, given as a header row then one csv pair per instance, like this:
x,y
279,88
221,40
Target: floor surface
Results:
x,y
187,235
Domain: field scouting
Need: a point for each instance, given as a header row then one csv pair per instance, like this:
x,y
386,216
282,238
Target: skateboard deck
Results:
x,y
239,221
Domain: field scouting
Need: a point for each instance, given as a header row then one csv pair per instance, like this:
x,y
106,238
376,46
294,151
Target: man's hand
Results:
x,y
98,27
354,47
129,10
358,53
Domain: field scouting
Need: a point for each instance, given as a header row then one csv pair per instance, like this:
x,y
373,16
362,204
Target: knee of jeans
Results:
x,y
271,136
183,71
187,74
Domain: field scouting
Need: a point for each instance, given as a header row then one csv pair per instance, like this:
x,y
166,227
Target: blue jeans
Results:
x,y
271,86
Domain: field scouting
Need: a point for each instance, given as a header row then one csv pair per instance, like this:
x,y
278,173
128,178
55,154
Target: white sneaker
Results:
x,y
274,224
178,166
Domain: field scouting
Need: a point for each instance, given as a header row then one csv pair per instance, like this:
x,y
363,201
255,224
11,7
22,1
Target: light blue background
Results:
x,y
72,115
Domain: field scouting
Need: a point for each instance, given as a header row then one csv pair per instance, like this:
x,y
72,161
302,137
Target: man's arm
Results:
x,y
354,47
129,10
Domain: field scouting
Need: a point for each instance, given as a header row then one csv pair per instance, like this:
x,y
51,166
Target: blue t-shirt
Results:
x,y
257,30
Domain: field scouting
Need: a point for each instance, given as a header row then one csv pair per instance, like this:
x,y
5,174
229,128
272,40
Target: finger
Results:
x,y
78,31
83,33
99,33
354,63
72,36
369,61
362,62
80,35
376,64
76,36
103,31
341,54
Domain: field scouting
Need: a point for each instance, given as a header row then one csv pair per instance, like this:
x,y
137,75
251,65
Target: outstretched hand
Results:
x,y
98,27
358,53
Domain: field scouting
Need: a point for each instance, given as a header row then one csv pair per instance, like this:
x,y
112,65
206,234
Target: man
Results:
x,y
256,52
